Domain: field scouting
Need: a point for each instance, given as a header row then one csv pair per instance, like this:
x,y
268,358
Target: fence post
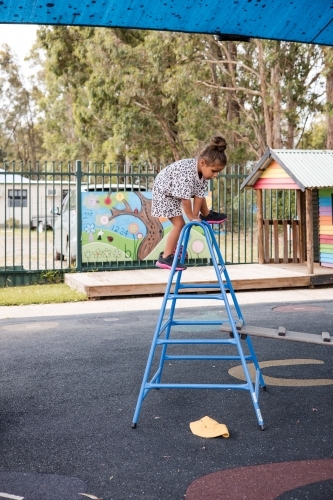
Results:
x,y
78,174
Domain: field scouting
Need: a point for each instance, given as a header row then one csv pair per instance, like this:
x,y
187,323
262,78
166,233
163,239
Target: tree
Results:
x,y
273,86
19,136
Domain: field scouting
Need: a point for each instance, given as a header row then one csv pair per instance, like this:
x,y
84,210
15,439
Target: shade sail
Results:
x,y
306,21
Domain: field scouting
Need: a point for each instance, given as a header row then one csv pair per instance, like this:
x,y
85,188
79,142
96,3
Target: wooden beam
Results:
x,y
273,333
294,233
309,230
260,219
276,241
266,239
300,225
285,242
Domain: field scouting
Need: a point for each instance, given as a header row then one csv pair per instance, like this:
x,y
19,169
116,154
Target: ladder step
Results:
x,y
173,296
273,333
195,341
197,386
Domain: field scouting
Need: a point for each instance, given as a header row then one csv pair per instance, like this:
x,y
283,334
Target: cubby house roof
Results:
x,y
309,169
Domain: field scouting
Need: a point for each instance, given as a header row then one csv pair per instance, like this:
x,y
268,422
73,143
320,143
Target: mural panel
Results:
x,y
118,226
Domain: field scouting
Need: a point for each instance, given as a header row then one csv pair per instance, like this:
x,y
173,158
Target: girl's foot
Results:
x,y
167,262
213,217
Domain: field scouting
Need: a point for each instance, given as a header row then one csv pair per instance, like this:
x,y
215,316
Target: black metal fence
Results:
x,y
41,204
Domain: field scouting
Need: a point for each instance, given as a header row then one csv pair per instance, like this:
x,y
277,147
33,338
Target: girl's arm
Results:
x,y
187,207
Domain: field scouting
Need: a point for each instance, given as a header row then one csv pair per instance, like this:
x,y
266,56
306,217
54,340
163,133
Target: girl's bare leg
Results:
x,y
172,239
204,210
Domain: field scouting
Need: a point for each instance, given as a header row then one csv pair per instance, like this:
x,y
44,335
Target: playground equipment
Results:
x,y
163,340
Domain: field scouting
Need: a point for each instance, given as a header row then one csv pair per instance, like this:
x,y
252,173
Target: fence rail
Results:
x,y
33,201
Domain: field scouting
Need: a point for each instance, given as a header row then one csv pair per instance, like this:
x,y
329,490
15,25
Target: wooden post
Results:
x,y
285,241
260,227
276,241
309,230
266,241
300,225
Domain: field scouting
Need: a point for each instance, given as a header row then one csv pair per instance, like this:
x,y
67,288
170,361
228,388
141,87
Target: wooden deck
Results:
x,y
153,281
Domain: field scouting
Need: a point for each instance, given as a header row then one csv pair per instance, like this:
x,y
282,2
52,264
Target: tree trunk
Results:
x,y
232,103
276,99
329,109
263,86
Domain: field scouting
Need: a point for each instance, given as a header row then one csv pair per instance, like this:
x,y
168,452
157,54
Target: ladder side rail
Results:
x,y
238,310
211,240
143,390
226,275
256,362
182,240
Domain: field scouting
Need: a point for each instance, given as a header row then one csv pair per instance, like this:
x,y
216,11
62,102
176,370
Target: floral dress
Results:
x,y
177,181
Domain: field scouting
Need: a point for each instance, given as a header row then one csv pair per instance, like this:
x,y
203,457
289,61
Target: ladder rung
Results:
x,y
196,341
204,357
197,386
173,296
182,322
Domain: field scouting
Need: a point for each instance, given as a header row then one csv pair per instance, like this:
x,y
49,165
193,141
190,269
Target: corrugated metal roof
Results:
x,y
308,168
304,21
313,168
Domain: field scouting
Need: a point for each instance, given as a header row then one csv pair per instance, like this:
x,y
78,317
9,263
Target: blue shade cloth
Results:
x,y
305,21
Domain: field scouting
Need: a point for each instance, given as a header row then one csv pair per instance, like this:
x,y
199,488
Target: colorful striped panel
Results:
x,y
325,203
325,220
326,257
326,264
275,184
325,211
325,227
326,238
326,248
274,171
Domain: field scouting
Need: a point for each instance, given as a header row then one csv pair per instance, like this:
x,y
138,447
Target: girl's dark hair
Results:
x,y
214,151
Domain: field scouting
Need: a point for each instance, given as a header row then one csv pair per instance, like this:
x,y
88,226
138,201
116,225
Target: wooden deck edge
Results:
x,y
321,279
75,284
119,290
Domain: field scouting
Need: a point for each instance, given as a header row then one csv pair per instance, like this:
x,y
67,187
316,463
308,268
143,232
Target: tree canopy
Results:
x,y
114,95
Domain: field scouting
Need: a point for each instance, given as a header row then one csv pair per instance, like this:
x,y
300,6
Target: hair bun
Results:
x,y
219,143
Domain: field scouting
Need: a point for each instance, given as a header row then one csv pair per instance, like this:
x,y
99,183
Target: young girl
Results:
x,y
174,187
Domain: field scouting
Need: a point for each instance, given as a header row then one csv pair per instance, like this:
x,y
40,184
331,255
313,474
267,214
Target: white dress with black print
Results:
x,y
177,181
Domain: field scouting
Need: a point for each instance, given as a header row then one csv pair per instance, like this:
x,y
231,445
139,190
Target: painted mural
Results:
x,y
117,226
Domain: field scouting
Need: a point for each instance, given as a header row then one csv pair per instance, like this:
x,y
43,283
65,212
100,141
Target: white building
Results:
x,y
27,201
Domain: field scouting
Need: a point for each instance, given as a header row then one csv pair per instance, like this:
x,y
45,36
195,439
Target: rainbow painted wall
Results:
x,y
326,226
274,177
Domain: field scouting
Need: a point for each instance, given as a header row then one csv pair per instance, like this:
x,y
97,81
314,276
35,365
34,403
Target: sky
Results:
x,y
20,37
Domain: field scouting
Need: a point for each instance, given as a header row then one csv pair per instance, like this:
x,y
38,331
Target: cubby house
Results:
x,y
310,174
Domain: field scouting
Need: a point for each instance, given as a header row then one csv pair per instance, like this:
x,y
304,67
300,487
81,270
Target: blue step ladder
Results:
x,y
162,336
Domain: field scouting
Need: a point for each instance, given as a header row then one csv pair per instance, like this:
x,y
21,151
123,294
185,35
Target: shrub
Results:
x,y
13,223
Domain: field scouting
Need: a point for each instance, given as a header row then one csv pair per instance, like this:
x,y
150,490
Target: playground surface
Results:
x,y
70,376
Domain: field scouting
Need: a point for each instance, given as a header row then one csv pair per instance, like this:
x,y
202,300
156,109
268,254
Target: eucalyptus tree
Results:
x,y
270,88
19,136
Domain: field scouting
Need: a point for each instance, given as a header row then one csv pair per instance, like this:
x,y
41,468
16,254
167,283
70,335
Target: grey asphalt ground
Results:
x,y
70,379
